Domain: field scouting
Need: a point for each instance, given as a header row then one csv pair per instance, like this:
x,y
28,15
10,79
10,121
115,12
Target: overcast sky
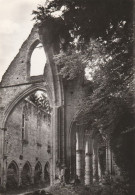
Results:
x,y
15,26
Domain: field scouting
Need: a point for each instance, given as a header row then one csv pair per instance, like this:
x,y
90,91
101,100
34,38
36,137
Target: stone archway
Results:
x,y
81,153
26,174
12,175
19,84
47,173
37,173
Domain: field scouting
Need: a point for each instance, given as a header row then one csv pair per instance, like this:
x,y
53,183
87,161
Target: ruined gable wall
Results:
x,y
17,84
13,88
66,97
18,71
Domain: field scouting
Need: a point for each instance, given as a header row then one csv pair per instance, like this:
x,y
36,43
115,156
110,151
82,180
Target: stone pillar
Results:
x,y
87,162
108,158
77,141
4,158
79,163
20,177
87,169
91,169
96,168
80,154
62,137
95,162
4,171
99,170
73,155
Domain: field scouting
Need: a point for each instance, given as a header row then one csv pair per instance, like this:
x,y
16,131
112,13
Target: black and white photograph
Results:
x,y
67,97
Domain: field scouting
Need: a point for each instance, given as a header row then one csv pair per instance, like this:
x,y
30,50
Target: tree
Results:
x,y
88,18
102,33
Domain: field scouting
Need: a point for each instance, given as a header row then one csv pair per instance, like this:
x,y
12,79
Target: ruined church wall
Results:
x,y
30,151
64,95
17,73
74,91
16,84
16,81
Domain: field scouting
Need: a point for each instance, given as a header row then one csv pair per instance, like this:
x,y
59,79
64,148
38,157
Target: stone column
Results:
x,y
73,155
95,162
88,159
96,168
79,153
87,169
4,158
87,162
91,169
79,163
20,177
108,158
4,174
99,170
60,135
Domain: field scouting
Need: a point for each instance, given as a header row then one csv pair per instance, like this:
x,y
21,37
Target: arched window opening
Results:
x,y
37,108
47,174
26,174
41,100
12,176
24,124
37,173
38,61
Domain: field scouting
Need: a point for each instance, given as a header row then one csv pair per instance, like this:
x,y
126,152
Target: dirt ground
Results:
x,y
55,190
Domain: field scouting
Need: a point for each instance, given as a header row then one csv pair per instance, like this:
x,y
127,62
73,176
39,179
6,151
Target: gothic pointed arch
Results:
x,y
12,175
37,173
26,174
36,58
47,173
24,94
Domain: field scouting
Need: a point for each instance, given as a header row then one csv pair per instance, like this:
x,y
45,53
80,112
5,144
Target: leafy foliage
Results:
x,y
41,14
102,44
92,18
41,101
70,66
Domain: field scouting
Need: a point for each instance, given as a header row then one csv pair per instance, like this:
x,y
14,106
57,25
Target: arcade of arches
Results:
x,y
39,136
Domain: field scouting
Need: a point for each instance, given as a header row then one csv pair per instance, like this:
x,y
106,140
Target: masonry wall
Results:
x,y
63,95
17,84
74,92
35,145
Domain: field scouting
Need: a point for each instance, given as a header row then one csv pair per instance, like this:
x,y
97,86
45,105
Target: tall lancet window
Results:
x,y
38,61
24,123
